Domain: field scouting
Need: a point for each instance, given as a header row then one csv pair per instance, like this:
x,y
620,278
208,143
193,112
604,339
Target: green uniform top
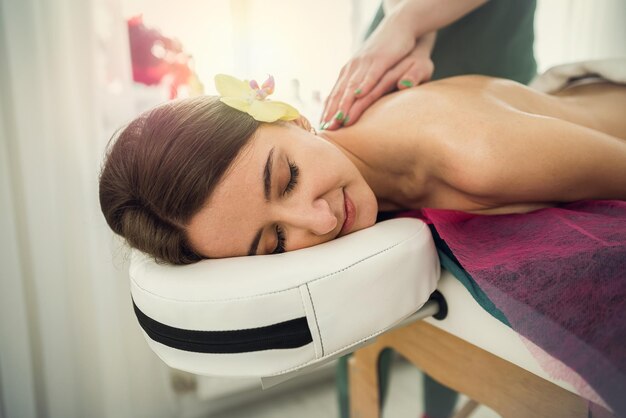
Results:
x,y
495,39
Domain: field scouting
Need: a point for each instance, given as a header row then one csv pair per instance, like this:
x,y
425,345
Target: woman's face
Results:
x,y
288,189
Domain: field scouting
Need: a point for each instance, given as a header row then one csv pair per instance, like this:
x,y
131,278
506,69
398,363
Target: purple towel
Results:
x,y
559,276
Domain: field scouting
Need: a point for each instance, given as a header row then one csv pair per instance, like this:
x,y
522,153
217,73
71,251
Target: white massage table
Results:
x,y
496,368
275,317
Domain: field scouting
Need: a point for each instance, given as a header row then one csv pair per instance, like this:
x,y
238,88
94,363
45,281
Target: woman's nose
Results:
x,y
317,217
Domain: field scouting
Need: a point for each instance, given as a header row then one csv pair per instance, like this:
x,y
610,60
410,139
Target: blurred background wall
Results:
x,y
69,344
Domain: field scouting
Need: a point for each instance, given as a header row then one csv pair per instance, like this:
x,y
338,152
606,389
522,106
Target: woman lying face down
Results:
x,y
196,178
287,189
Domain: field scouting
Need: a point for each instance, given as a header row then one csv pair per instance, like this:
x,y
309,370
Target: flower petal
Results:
x,y
271,111
237,103
230,86
290,111
268,85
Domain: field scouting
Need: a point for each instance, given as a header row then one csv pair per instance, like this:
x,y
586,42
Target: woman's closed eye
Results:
x,y
280,233
294,171
280,239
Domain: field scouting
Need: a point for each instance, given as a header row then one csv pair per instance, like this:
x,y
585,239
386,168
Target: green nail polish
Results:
x,y
346,119
339,115
358,91
325,125
407,83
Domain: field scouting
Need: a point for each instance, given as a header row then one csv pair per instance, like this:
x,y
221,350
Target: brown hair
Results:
x,y
161,168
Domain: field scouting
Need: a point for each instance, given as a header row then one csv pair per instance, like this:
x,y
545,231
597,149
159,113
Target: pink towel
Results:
x,y
559,276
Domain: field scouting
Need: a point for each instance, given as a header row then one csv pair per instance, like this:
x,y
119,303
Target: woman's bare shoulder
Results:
x,y
437,129
490,144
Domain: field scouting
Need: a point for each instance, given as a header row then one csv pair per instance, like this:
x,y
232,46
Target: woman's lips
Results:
x,y
350,214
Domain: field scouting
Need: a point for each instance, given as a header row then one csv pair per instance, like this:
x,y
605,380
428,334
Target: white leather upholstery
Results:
x,y
345,292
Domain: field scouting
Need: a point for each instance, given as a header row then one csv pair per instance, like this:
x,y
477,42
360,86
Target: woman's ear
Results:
x,y
302,122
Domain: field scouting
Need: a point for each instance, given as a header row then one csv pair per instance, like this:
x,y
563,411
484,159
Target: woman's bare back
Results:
x,y
598,106
438,126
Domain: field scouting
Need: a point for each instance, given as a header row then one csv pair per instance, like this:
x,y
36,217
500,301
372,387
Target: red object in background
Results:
x,y
155,56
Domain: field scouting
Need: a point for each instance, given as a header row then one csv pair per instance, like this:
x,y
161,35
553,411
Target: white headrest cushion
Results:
x,y
272,314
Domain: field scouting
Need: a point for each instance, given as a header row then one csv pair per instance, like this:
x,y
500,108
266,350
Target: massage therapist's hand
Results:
x,y
408,24
388,45
412,70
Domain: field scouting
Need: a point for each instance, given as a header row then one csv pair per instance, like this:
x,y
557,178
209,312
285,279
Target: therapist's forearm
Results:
x,y
424,16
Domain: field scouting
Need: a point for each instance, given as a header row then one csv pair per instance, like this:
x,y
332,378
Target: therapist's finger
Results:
x,y
351,93
342,102
334,114
329,103
416,74
371,79
348,88
332,101
386,84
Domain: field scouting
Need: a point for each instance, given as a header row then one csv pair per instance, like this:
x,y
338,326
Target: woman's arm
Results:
x,y
532,158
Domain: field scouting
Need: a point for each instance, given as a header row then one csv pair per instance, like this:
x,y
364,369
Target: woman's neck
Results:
x,y
389,169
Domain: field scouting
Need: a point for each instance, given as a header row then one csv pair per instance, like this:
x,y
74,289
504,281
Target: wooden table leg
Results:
x,y
504,387
363,382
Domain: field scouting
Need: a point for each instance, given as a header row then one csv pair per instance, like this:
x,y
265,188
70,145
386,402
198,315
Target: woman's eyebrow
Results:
x,y
267,191
267,175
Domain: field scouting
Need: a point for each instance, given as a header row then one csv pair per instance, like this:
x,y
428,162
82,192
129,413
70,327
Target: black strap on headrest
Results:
x,y
289,334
